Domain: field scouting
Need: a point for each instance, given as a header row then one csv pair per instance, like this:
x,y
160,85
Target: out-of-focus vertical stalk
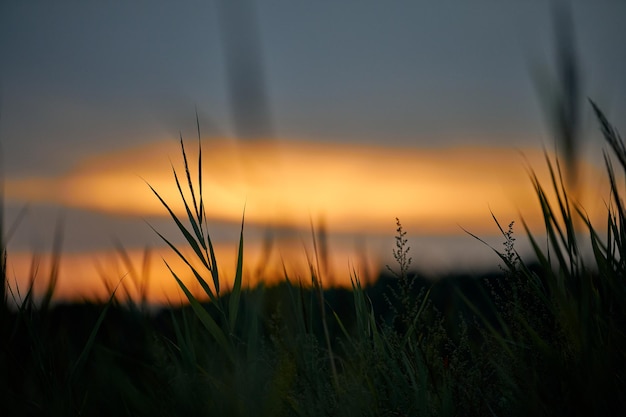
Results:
x,y
241,42
3,250
566,105
322,262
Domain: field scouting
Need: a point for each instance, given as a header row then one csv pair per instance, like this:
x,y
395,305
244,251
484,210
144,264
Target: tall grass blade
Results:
x,y
298,305
184,343
215,276
84,354
318,286
500,255
54,268
196,227
145,277
205,318
4,284
361,309
191,190
140,281
614,189
200,209
611,135
211,262
205,287
192,242
233,305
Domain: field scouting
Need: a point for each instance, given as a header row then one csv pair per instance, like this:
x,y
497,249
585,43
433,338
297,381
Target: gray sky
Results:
x,y
82,77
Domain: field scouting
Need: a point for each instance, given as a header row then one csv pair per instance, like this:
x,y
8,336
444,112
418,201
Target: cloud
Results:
x,y
356,192
352,188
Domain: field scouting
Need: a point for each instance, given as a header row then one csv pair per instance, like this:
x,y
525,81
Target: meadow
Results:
x,y
543,335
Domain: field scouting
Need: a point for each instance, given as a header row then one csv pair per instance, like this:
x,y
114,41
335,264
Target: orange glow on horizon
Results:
x,y
352,188
93,275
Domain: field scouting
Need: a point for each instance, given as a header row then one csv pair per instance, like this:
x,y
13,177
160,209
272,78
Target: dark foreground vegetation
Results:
x,y
546,339
490,345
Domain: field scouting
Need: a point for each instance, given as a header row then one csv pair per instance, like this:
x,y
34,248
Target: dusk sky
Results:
x,y
369,110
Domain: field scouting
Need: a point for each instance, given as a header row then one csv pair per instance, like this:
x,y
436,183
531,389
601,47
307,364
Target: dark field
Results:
x,y
463,345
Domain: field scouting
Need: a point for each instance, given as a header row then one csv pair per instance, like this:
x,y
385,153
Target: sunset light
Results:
x,y
353,188
356,190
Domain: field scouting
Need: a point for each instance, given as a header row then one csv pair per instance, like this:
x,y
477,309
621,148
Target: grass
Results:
x,y
544,336
537,338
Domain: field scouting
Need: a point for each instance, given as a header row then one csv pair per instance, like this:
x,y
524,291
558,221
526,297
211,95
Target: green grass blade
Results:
x,y
213,269
205,318
342,327
554,232
543,260
197,228
184,342
297,304
611,135
192,242
132,272
614,188
201,281
189,182
84,354
200,209
233,305
56,263
500,255
360,306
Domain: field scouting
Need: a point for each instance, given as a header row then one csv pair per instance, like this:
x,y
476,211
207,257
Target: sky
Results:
x,y
344,115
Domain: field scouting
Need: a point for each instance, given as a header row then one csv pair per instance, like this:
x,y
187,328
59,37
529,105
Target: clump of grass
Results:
x,y
543,331
223,329
561,323
402,300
